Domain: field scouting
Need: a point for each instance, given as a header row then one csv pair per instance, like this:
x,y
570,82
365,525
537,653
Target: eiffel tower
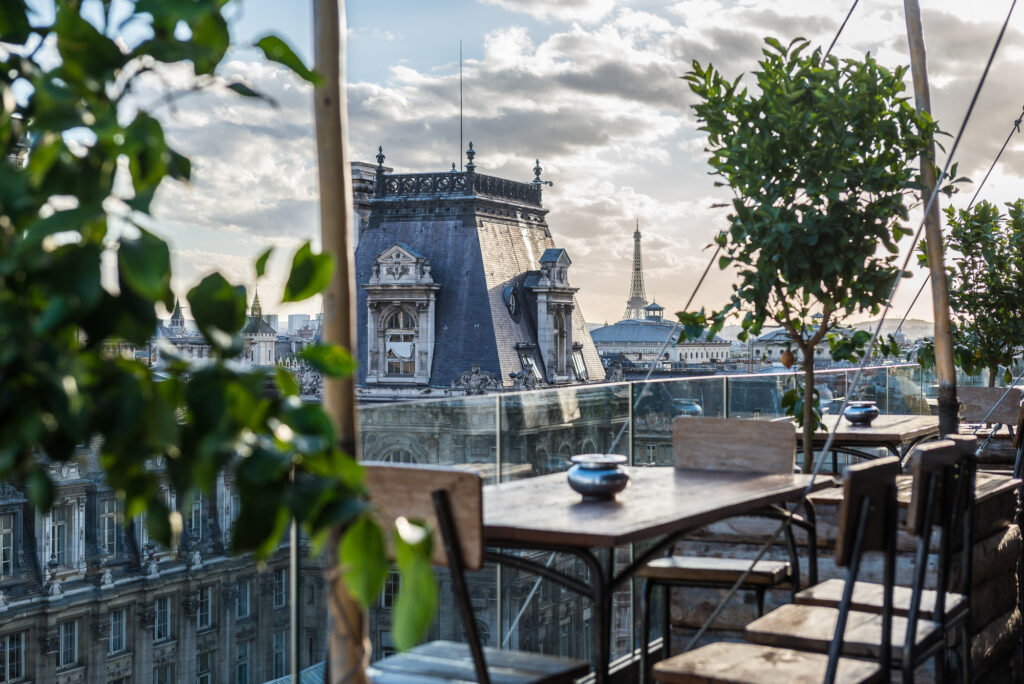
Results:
x,y
637,298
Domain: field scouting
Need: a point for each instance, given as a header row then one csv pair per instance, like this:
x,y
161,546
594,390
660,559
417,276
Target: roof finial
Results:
x,y
470,153
454,170
536,172
380,157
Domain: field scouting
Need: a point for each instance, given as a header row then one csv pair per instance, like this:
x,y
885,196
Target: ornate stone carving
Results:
x,y
100,629
147,618
48,642
476,381
190,606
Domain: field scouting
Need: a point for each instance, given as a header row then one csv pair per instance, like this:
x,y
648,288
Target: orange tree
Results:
x,y
68,128
819,156
986,279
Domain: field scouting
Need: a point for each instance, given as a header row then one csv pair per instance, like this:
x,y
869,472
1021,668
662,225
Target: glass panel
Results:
x,y
657,403
442,432
541,430
758,395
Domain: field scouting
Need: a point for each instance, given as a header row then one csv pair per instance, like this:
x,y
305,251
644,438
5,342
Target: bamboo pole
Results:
x,y
948,405
348,649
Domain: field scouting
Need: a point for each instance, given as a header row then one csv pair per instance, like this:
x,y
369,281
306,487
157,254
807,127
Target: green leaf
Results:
x,y
40,488
145,264
329,359
310,274
219,310
14,25
363,560
417,589
261,262
276,50
286,381
245,91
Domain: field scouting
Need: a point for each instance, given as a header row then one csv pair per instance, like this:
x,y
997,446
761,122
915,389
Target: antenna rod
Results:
x,y
460,105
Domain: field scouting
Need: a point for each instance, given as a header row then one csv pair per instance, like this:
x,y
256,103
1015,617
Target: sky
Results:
x,y
591,88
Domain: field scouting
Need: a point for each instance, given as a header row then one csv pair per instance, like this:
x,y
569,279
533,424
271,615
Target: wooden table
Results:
x,y
898,434
662,504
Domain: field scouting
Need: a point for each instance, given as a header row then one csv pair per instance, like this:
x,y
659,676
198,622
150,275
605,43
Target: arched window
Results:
x,y
400,343
399,456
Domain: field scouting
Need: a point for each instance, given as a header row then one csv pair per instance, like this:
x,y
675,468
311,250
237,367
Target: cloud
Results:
x,y
595,94
586,11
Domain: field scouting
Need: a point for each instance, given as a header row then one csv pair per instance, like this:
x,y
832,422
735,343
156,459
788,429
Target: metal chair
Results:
x,y
427,494
729,444
950,609
867,522
943,488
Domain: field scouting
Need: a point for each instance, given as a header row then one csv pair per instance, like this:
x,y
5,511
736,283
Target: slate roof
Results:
x,y
637,331
552,254
474,258
257,325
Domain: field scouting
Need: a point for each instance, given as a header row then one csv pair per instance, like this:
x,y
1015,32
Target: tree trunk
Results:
x,y
992,370
347,649
808,353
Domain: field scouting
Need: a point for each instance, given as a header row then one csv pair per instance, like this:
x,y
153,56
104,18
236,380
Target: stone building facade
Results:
x,y
458,274
87,599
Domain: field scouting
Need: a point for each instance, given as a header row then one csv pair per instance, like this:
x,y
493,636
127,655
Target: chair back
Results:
x,y
733,444
871,482
867,522
404,490
976,402
448,500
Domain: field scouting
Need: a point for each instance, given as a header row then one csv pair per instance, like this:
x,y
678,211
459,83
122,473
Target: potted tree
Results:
x,y
819,157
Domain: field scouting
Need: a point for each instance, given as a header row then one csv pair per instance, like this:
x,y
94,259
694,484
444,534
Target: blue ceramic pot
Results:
x,y
598,477
861,412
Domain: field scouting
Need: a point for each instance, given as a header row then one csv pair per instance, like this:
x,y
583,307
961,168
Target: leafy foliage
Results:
x,y
820,161
986,279
70,128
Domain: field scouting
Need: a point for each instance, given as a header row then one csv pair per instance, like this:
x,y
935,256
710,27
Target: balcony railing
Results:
x,y
454,183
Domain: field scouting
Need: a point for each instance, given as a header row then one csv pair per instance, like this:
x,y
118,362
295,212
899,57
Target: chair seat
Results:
x,y
811,628
729,663
700,569
449,661
867,597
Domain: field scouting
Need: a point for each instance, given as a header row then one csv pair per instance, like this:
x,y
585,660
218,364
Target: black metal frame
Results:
x,y
956,483
807,522
604,582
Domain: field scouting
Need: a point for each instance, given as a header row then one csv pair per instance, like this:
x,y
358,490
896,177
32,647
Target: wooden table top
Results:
x,y
546,512
885,429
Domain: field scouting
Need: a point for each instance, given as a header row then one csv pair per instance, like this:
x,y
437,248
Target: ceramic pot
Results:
x,y
861,412
598,477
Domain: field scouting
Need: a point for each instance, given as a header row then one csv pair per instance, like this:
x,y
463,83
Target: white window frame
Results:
x,y
67,646
204,669
279,662
280,588
109,520
163,674
389,593
242,663
59,534
6,544
12,656
579,366
204,608
243,607
162,620
406,332
118,636
195,518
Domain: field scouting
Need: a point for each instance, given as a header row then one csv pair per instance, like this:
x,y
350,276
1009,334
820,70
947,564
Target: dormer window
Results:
x,y
59,535
6,544
400,343
400,301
